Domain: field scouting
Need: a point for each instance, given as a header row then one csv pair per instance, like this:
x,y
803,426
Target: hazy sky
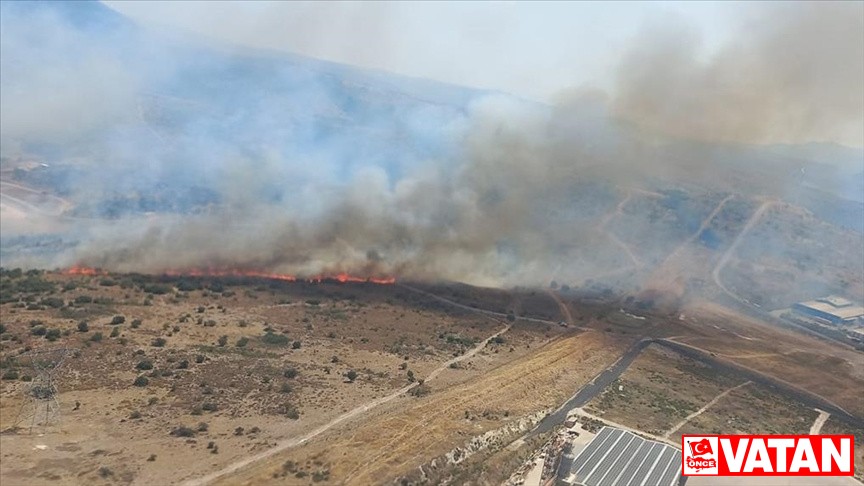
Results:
x,y
532,49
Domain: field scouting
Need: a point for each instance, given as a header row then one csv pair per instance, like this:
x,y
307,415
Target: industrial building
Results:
x,y
831,309
616,457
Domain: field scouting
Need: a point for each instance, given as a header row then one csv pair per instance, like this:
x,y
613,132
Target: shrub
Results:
x,y
183,364
285,388
117,320
159,342
107,282
351,375
183,432
135,415
275,339
223,340
83,299
38,331
242,342
115,332
296,345
199,358
52,334
144,365
2,328
209,407
420,390
290,373
157,289
83,326
10,375
136,323
202,426
141,381
53,302
96,337
238,431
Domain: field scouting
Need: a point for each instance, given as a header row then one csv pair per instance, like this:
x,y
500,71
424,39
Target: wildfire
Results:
x,y
226,272
82,270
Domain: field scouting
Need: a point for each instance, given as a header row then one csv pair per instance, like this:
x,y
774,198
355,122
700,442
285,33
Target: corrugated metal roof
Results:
x,y
617,457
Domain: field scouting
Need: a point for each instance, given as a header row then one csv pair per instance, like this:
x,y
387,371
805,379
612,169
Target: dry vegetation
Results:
x,y
175,378
204,371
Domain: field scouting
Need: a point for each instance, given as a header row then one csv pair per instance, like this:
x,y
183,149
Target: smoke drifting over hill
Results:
x,y
794,74
196,156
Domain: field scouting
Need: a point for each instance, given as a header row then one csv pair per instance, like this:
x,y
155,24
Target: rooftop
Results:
x,y
845,313
835,301
617,457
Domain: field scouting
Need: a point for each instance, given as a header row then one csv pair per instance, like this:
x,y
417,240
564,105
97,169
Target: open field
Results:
x,y
236,364
237,380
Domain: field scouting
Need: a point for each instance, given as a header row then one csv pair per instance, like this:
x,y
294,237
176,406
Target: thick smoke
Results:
x,y
422,181
794,73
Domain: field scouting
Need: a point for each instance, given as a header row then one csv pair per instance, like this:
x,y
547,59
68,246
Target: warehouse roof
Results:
x,y
617,457
843,312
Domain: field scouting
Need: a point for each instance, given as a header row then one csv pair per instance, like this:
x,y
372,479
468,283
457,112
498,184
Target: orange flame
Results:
x,y
225,272
85,271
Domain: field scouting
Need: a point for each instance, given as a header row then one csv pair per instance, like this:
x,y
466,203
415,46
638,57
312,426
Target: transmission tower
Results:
x,y
40,406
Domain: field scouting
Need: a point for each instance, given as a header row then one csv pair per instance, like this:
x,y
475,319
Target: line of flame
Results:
x,y
221,272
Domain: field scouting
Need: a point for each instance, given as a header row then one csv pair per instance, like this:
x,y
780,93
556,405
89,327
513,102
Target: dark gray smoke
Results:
x,y
182,155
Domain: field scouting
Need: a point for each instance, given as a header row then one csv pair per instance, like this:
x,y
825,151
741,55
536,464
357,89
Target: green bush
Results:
x,y
275,339
141,380
53,302
52,334
117,320
242,342
144,365
83,326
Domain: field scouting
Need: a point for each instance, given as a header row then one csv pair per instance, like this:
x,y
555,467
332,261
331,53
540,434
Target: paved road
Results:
x,y
591,389
611,373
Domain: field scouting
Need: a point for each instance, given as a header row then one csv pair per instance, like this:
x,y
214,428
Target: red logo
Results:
x,y
767,455
701,448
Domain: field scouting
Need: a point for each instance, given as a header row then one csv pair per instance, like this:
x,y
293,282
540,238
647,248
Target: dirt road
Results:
x,y
755,218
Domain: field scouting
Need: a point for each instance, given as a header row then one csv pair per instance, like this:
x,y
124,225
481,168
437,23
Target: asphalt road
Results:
x,y
591,389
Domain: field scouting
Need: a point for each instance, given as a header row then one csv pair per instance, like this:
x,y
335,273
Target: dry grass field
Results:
x,y
254,381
